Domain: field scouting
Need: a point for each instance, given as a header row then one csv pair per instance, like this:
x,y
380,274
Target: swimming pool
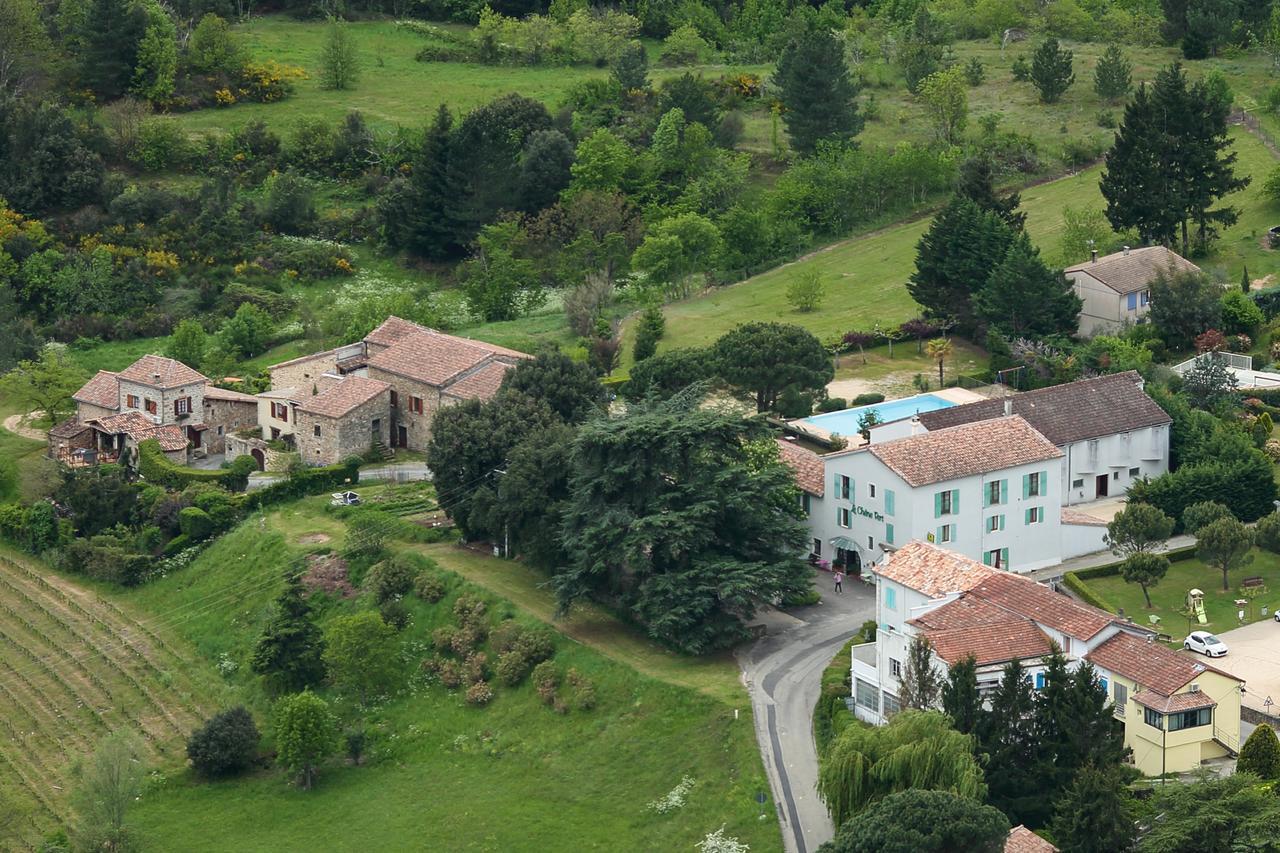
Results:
x,y
845,421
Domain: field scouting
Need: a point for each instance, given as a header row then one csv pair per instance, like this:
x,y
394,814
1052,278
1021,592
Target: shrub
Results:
x,y
442,638
869,399
479,693
195,524
450,672
1203,513
162,145
546,679
512,667
476,667
466,639
1268,532
355,740
833,404
506,635
391,578
685,46
583,696
225,744
394,612
537,644
429,587
469,611
1260,754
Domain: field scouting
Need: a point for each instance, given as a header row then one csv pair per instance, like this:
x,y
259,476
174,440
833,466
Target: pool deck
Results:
x,y
955,396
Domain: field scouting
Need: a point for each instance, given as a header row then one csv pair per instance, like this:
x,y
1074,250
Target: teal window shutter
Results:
x,y
986,558
835,486
937,536
986,495
888,533
1002,521
891,598
955,501
1004,558
1026,486
1044,483
937,505
1004,491
888,502
853,491
1026,516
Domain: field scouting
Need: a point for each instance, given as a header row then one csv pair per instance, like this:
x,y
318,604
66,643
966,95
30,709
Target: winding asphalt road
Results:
x,y
783,671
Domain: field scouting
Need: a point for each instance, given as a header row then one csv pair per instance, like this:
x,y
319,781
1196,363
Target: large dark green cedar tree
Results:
x,y
675,520
761,360
819,96
954,259
289,651
1171,164
1024,298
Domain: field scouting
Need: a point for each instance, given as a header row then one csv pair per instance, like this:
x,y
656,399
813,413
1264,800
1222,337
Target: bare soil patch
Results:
x,y
314,538
328,573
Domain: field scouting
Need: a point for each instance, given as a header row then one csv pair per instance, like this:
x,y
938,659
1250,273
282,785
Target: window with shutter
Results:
x,y
889,502
888,534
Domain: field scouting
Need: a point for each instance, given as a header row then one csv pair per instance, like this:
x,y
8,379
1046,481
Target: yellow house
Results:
x,y
1177,711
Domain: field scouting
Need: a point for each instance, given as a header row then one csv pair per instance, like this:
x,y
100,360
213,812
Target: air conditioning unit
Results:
x,y
1195,687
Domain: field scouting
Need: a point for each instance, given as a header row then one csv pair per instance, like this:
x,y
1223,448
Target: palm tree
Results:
x,y
939,349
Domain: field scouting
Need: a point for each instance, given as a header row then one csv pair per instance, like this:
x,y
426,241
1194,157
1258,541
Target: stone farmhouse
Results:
x,y
155,397
1177,711
378,393
996,480
1115,289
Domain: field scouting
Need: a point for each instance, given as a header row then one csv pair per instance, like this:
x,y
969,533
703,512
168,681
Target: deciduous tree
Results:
x,y
339,57
946,100
920,686
361,655
922,821
306,734
107,784
1184,304
46,383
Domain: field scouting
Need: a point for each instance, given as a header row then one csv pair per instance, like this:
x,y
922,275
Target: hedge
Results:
x,y
1072,581
1108,570
1245,485
306,481
155,467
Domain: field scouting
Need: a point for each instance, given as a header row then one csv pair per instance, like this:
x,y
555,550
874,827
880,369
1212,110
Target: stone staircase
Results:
x,y
385,453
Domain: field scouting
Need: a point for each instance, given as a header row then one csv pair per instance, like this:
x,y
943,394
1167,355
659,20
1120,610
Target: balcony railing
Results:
x,y
83,458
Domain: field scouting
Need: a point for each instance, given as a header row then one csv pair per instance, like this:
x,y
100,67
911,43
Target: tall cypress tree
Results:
x,y
1208,160
1024,297
432,225
1093,814
960,698
1007,736
113,30
954,260
817,91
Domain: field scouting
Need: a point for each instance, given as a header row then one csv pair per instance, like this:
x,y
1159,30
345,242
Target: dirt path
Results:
x,y
17,424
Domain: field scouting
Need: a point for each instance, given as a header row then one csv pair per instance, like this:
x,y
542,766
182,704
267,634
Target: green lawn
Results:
x,y
866,275
445,775
1169,596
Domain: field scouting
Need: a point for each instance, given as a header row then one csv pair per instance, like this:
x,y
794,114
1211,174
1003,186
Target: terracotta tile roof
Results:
x,y
965,450
805,465
1171,704
102,390
1074,516
480,384
990,643
1037,602
69,428
433,359
212,393
1073,411
1126,272
139,428
329,355
394,329
160,372
931,570
965,612
1153,666
1023,840
344,396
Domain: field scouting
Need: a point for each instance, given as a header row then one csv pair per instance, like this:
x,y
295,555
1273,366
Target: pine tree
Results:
x,y
1113,76
977,183
817,92
1205,153
919,687
954,259
649,331
1024,298
1093,815
1245,285
290,648
960,697
1051,70
1139,194
433,228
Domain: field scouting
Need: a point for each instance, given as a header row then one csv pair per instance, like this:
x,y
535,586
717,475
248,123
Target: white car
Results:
x,y
1205,643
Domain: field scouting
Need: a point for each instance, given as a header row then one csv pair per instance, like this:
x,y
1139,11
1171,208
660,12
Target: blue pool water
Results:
x,y
845,421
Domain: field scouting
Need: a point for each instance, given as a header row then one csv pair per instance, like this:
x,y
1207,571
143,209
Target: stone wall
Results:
x,y
350,435
303,373
165,400
223,417
88,411
273,460
417,426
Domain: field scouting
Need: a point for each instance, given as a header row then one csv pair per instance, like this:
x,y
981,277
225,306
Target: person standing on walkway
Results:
x,y
839,579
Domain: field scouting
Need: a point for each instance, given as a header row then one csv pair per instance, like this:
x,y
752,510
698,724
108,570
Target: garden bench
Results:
x,y
1251,583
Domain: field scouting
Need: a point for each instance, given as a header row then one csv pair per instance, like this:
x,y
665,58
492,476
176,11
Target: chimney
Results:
x,y
916,429
1008,406
1126,251
1093,253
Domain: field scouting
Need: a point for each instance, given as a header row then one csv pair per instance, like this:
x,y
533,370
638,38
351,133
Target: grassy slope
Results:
x,y
541,781
866,276
1169,596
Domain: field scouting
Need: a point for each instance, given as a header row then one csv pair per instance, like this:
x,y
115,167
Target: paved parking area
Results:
x,y
1254,656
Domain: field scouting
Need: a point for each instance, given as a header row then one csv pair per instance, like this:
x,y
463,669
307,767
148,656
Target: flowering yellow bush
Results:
x,y
344,266
224,98
161,262
268,81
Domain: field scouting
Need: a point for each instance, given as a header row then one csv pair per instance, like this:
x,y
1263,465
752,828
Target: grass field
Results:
x,y
1169,596
74,666
441,773
866,275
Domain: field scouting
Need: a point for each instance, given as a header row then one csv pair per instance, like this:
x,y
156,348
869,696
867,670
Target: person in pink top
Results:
x,y
839,579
